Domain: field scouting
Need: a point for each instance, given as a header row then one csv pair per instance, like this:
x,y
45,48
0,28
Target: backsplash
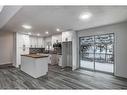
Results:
x,y
36,50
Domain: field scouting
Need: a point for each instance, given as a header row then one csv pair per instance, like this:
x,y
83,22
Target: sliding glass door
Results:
x,y
87,52
104,58
97,52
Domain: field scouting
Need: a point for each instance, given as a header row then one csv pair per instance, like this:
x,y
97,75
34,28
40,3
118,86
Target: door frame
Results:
x,y
94,70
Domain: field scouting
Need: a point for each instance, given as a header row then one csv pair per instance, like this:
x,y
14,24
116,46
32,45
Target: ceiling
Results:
x,y
48,18
7,13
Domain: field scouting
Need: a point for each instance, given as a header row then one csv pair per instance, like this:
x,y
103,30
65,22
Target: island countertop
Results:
x,y
35,65
34,55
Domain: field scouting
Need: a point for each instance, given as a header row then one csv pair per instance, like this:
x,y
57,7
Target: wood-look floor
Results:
x,y
57,78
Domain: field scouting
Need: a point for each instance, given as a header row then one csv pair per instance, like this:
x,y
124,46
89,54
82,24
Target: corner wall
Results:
x,y
120,31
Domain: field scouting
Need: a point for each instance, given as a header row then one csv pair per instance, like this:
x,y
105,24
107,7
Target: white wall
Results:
x,y
120,31
6,47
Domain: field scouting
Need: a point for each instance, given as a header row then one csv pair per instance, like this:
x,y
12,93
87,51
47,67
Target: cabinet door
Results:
x,y
34,42
23,40
36,45
19,40
40,42
31,42
26,40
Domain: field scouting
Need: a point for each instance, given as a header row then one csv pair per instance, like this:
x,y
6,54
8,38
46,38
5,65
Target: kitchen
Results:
x,y
63,47
34,53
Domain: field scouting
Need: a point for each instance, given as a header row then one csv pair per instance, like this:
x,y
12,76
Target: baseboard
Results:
x,y
6,66
8,63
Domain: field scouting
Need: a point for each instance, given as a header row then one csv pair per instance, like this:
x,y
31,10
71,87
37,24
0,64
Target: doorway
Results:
x,y
97,52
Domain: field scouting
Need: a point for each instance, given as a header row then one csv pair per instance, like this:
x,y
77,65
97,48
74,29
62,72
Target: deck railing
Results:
x,y
98,57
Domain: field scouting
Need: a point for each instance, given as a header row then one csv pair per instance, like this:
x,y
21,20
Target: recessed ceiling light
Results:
x,y
46,32
58,29
38,34
26,26
86,15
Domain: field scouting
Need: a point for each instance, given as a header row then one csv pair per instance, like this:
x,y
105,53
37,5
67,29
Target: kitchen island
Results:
x,y
34,65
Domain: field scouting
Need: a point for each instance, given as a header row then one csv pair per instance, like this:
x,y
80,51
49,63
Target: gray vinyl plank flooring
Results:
x,y
57,78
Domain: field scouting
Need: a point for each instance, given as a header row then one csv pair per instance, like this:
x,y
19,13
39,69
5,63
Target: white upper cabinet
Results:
x,y
22,40
26,40
40,42
36,42
33,42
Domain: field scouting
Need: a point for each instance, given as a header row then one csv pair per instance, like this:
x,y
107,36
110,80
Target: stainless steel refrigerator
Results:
x,y
67,54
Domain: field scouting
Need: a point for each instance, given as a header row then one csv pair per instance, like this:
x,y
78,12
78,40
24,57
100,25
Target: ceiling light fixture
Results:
x,y
26,26
57,29
85,15
46,32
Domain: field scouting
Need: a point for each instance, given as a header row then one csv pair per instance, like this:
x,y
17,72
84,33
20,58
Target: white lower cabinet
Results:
x,y
35,67
60,60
